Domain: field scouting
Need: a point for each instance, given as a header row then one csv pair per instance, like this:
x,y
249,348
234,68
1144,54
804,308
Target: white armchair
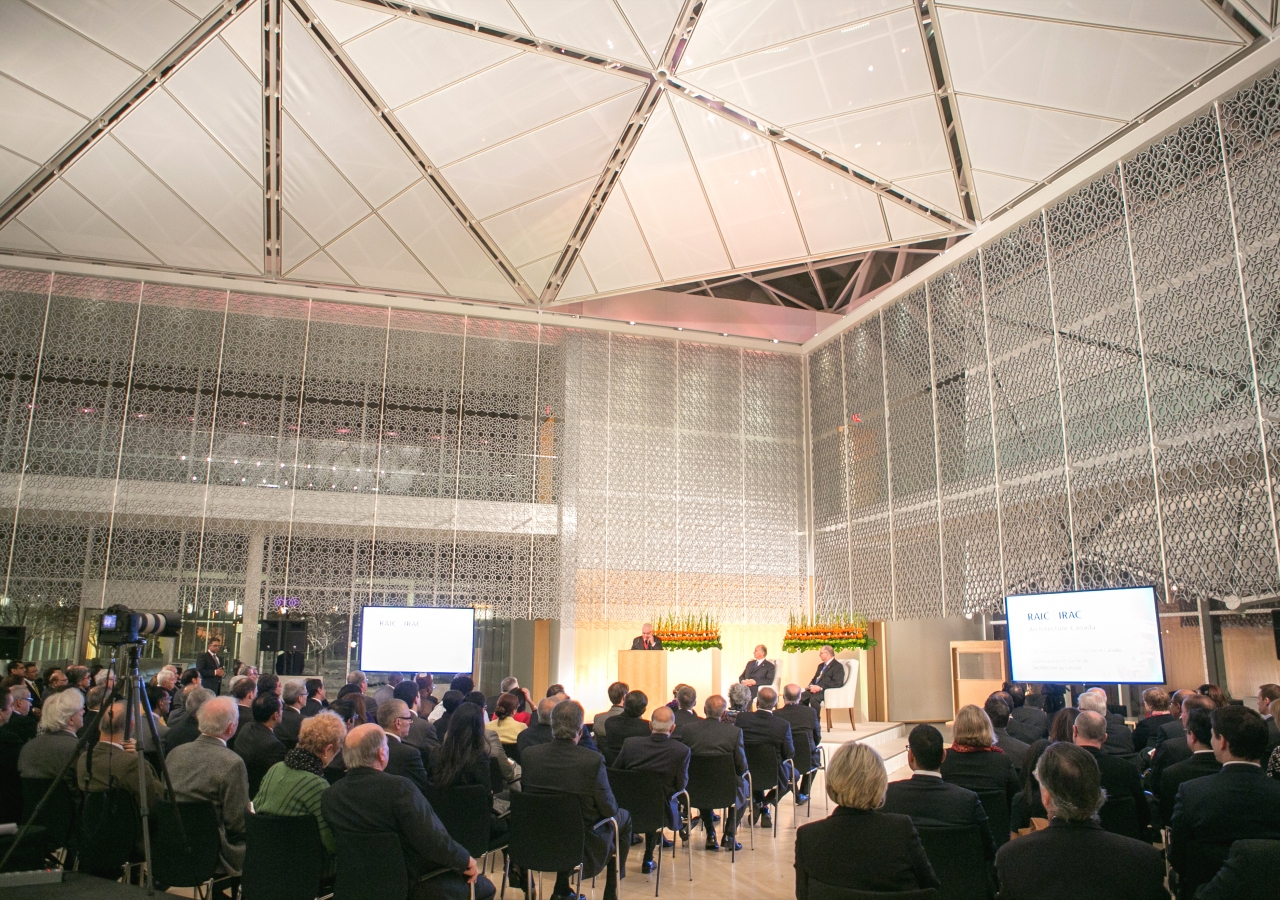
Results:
x,y
845,697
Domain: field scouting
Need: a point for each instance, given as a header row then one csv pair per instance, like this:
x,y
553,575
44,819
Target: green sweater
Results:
x,y
293,792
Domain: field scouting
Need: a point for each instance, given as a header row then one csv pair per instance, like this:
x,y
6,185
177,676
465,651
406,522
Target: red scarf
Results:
x,y
965,748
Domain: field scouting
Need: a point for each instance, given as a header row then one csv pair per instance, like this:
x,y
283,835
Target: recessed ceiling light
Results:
x,y
631,323
775,340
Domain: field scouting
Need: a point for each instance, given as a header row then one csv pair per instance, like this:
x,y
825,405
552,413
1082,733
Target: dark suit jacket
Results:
x,y
620,728
406,760
867,850
1169,753
711,737
685,716
1273,735
206,664
1199,765
982,770
832,676
260,749
184,732
761,671
532,736
1120,778
1016,749
290,724
312,707
659,753
929,800
764,727
1144,731
246,717
803,718
563,767
1170,730
24,728
422,734
1211,813
1104,866
1029,724
1249,874
10,782
367,800
1119,737
637,643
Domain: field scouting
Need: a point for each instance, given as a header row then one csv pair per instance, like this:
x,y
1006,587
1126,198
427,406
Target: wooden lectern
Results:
x,y
645,670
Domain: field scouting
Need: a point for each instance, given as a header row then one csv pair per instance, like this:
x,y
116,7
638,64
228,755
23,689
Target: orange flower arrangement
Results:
x,y
688,633
841,633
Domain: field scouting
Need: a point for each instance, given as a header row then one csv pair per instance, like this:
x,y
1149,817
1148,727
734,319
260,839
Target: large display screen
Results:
x,y
416,639
1099,637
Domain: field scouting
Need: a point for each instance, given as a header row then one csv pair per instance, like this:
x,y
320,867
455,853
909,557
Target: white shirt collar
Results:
x,y
1241,762
928,772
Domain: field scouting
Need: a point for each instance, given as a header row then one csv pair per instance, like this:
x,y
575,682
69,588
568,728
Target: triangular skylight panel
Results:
x,y
597,27
895,141
375,257
835,212
346,20
994,191
1191,18
541,227
653,21
1025,142
578,284
938,191
66,221
907,224
488,12
615,251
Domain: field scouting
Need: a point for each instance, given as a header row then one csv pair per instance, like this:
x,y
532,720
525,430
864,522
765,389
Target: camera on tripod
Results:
x,y
121,625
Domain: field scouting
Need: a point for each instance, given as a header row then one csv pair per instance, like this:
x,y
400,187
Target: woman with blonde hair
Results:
x,y
294,787
858,846
975,761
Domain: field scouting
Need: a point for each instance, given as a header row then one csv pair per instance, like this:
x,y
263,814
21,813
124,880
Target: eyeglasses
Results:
x,y
404,718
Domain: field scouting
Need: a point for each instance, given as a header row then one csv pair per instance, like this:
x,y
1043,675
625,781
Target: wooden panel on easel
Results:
x,y
978,668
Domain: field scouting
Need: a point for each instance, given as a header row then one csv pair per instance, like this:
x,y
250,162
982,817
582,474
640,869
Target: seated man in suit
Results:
x,y
1092,864
714,737
630,724
1249,873
1155,703
929,800
1213,812
422,734
369,800
206,769
114,762
257,744
600,724
762,727
998,713
1026,723
539,730
294,696
243,689
1119,741
1202,762
830,674
647,639
670,759
1120,777
1173,750
188,729
402,759
565,767
802,719
1267,695
686,699
315,697
759,672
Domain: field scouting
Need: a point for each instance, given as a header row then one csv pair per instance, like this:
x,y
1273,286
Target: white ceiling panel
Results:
x,y
406,60
132,196
906,225
585,24
836,213
16,236
56,61
198,8
344,20
315,194
327,108
578,284
13,171
505,101
225,99
536,229
994,191
32,125
667,199
653,21
321,268
1088,70
295,244
490,12
141,31
433,233
192,164
938,190
744,182
244,37
1186,17
894,141
734,27
536,273
373,256
615,251
1025,141
873,63
69,223
542,161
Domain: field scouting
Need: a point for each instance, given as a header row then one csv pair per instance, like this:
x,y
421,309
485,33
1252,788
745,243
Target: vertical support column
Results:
x,y
293,471
937,456
252,599
272,189
457,461
537,459
208,457
991,405
742,463
677,439
377,471
1062,410
608,442
888,470
846,471
807,448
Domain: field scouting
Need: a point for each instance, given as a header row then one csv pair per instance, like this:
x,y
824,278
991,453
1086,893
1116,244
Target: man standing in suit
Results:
x,y
670,759
647,639
1211,813
714,737
402,759
370,800
803,720
212,667
564,767
929,800
630,724
600,724
1104,866
315,697
1267,695
830,674
1120,777
295,697
762,727
1202,762
257,744
759,672
1026,723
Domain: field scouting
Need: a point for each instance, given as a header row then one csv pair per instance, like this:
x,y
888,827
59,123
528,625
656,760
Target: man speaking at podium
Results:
x,y
647,639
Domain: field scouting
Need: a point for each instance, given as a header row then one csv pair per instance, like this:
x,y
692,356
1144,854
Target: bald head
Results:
x,y
766,698
1090,729
365,746
545,707
662,720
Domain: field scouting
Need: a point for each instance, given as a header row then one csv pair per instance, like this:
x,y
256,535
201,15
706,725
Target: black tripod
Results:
x,y
136,704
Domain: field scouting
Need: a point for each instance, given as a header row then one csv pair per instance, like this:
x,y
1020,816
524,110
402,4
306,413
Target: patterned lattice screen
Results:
x,y
1089,401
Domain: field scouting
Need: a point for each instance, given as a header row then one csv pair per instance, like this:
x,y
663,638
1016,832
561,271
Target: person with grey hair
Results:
x,y
368,800
564,766
763,728
188,729
670,760
830,674
48,752
714,737
1089,863
739,701
1119,740
21,723
115,762
206,769
294,696
92,705
402,759
1120,777
803,720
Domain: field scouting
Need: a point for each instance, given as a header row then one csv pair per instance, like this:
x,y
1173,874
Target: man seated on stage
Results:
x,y
759,672
763,727
714,737
802,719
647,640
830,674
670,759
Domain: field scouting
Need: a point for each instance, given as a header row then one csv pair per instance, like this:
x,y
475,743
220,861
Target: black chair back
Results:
x,y
497,784
370,866
956,853
762,761
59,814
1119,815
713,782
109,830
546,832
821,891
804,753
513,752
184,843
996,805
642,794
464,810
270,839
